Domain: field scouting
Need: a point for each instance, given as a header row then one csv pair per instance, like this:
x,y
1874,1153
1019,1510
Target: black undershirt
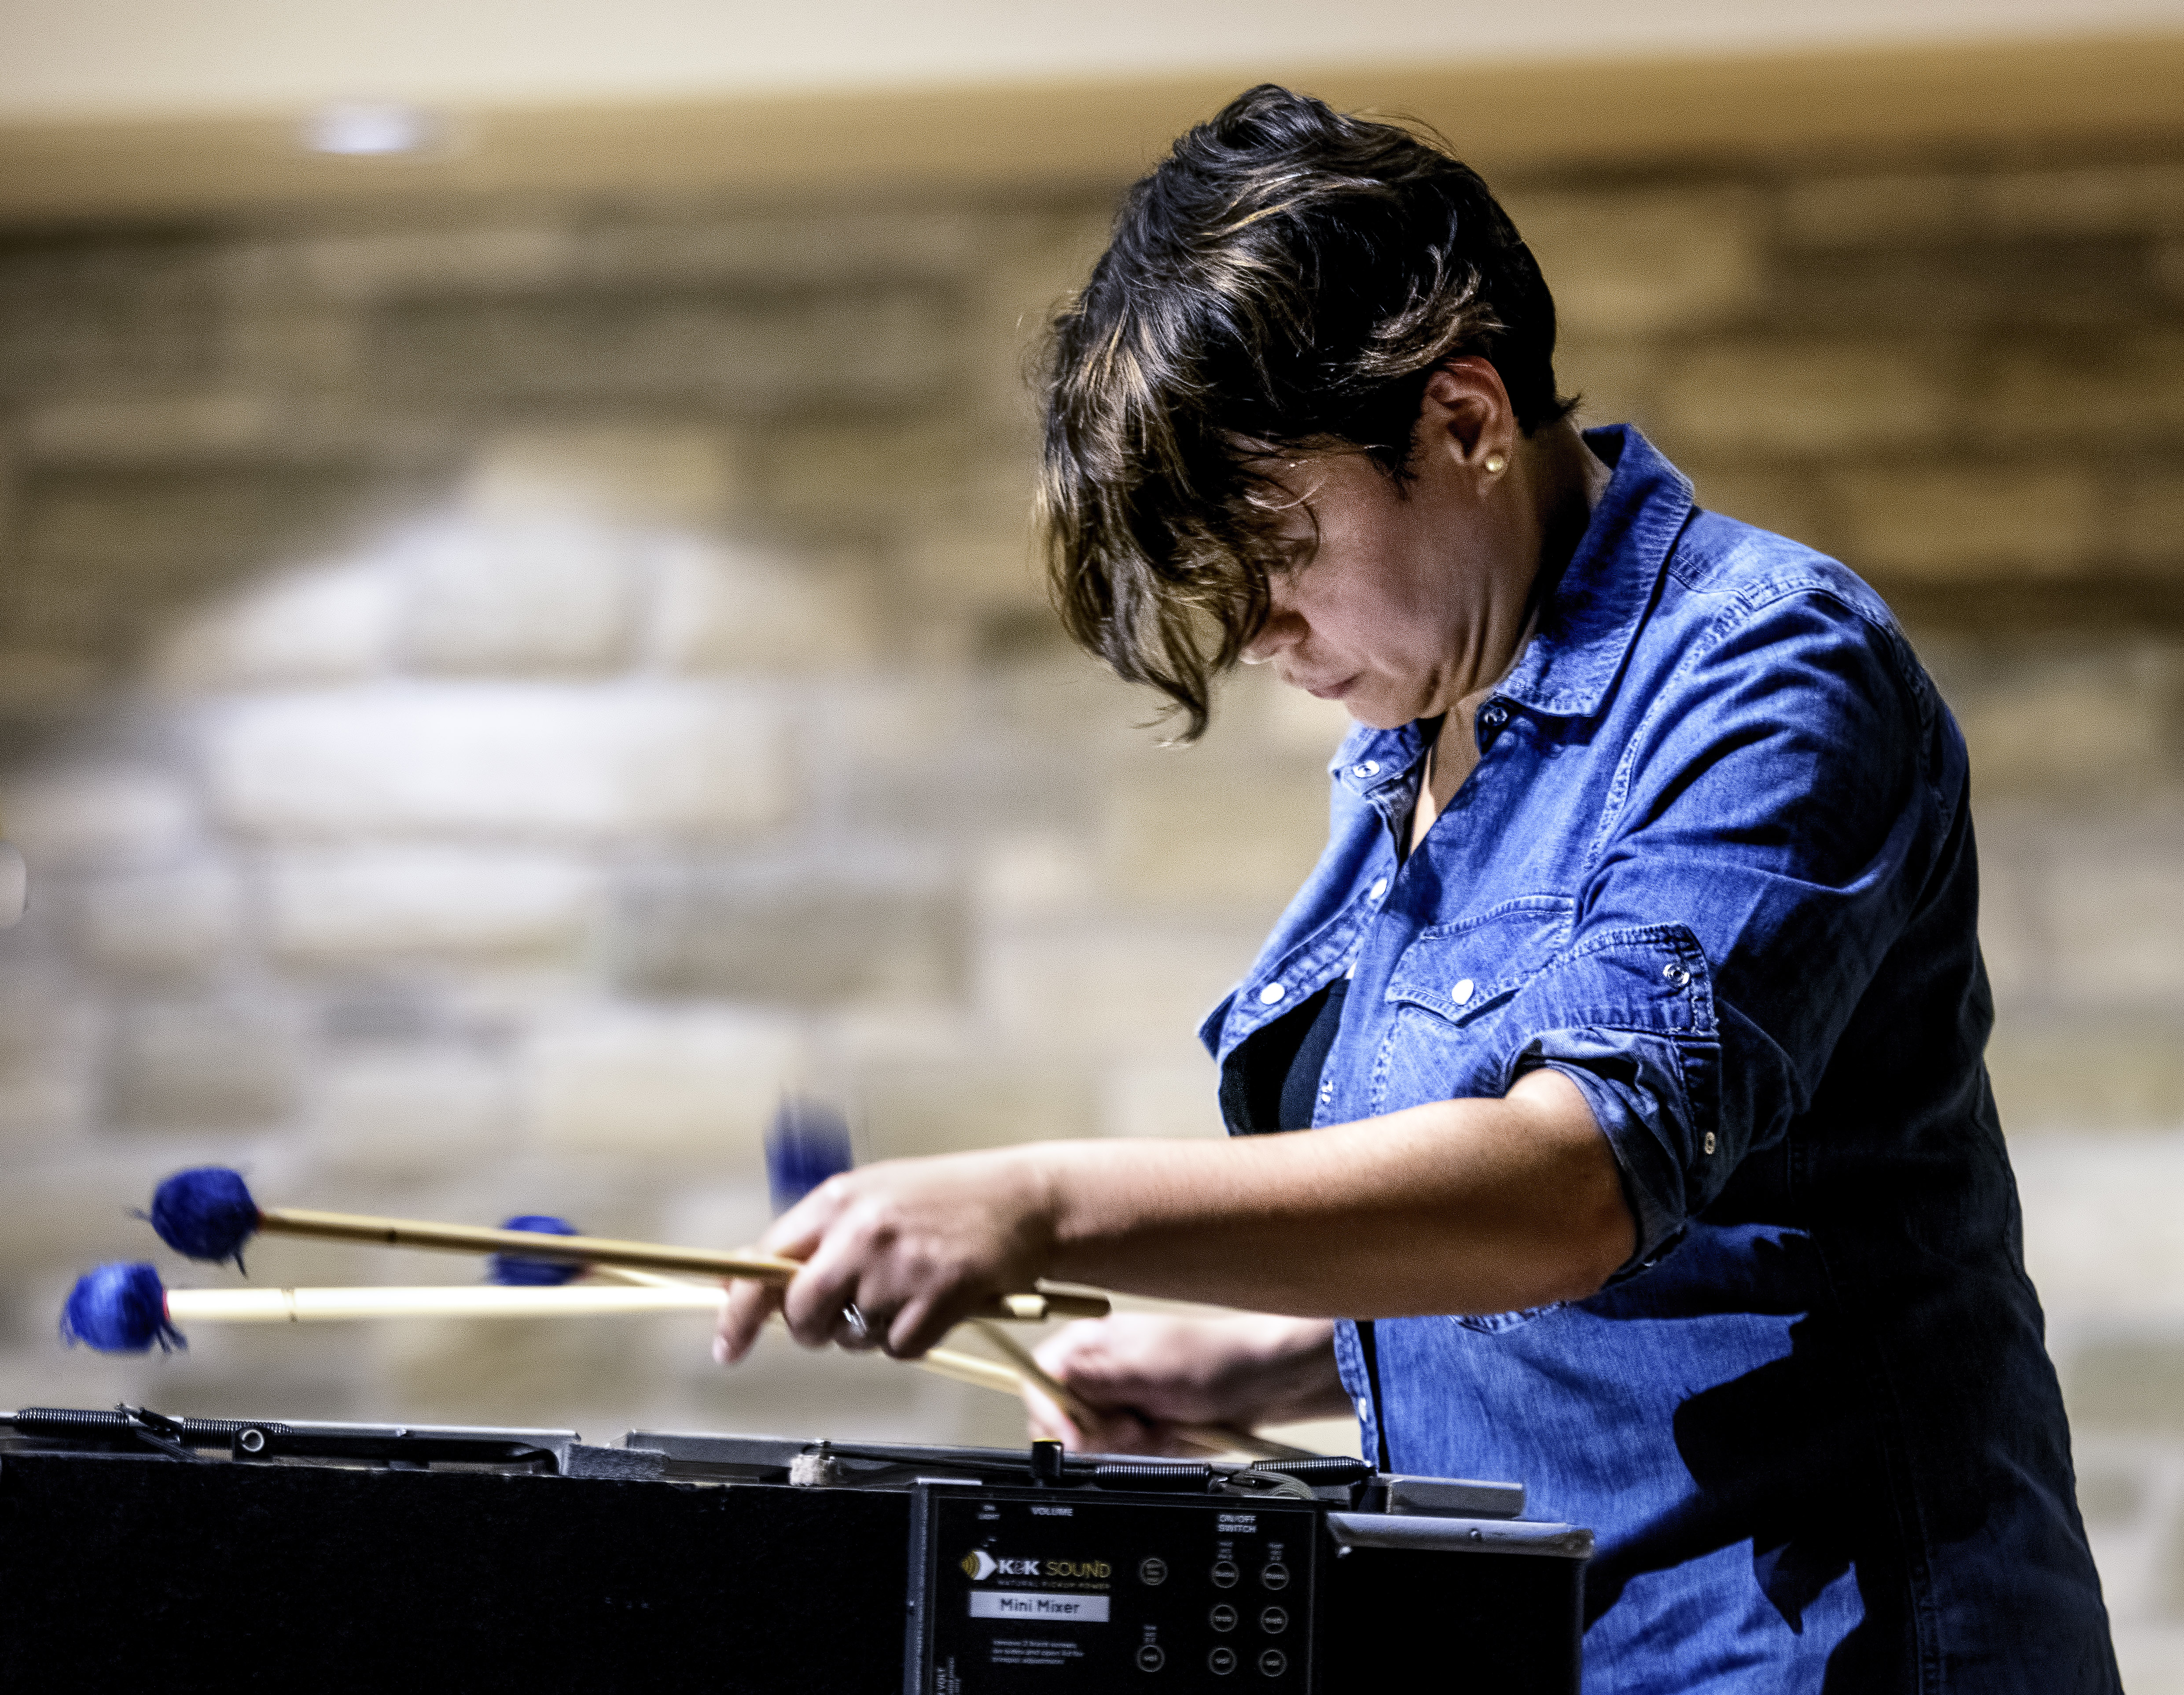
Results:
x,y
1271,1082
1301,1080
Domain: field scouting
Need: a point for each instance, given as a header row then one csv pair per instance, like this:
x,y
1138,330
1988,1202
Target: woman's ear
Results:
x,y
1466,414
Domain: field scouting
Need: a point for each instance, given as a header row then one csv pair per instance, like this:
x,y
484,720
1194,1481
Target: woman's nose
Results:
x,y
1281,631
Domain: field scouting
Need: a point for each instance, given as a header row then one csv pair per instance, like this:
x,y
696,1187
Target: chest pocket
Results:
x,y
1449,988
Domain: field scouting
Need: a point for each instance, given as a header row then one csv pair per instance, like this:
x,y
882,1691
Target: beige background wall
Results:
x,y
495,688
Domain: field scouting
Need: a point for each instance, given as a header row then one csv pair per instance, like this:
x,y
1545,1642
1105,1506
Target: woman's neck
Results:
x,y
1567,479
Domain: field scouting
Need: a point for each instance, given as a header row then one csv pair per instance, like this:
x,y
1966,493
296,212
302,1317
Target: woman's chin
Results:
x,y
1376,714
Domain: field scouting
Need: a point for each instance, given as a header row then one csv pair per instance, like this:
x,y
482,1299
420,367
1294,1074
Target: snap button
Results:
x,y
1370,768
1675,973
1377,890
1364,1407
1709,1141
1494,715
1272,993
1462,992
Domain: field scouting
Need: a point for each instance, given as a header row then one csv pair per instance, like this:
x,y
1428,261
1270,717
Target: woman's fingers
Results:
x,y
797,1232
1102,1433
1154,1365
893,1254
1172,1369
852,1293
742,1315
1045,1419
1066,1354
1110,1429
921,1323
1082,1357
913,1245
819,1300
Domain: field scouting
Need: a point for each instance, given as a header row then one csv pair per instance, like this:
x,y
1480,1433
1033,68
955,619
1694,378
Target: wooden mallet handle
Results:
x,y
479,1300
1030,1307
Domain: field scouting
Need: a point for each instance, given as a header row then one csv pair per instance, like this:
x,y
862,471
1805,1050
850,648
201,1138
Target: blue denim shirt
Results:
x,y
1716,866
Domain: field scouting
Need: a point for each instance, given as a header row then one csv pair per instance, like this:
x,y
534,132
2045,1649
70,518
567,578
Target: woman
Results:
x,y
1635,1007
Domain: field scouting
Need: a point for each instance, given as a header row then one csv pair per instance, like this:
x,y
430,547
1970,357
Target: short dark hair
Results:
x,y
1284,282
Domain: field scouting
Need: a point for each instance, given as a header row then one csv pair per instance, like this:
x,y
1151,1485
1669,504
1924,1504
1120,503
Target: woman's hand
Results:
x,y
910,1244
1144,1376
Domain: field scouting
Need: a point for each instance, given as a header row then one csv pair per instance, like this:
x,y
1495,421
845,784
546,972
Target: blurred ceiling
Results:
x,y
134,106
109,59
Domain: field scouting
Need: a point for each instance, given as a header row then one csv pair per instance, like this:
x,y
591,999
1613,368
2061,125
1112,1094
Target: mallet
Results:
x,y
123,1309
207,1212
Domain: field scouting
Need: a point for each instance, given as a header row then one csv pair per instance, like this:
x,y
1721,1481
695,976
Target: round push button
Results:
x,y
1273,1663
1152,1569
1151,1657
1274,1620
1223,1617
1221,1660
1275,1577
1224,1574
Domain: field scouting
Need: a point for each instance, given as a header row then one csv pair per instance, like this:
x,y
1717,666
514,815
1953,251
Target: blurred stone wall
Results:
x,y
493,696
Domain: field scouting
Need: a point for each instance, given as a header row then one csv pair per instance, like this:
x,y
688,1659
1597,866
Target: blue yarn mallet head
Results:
x,y
808,1144
205,1213
513,1268
119,1308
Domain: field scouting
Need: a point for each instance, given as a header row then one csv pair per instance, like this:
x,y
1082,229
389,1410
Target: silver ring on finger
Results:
x,y
853,1316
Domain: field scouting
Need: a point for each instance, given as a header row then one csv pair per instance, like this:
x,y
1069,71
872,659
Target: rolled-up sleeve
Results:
x,y
1773,821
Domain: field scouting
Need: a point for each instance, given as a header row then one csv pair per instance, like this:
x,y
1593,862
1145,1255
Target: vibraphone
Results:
x,y
143,1551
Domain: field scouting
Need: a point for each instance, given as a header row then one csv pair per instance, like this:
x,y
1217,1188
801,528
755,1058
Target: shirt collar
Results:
x,y
1591,615
1370,759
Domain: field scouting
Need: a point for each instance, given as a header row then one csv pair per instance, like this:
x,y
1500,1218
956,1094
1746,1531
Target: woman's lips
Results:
x,y
1329,691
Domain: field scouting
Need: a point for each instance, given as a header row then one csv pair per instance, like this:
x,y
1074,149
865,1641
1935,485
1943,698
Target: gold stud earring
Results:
x,y
1496,464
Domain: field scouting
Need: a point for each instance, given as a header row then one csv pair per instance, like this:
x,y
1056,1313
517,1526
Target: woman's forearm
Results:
x,y
1459,1206
1462,1207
